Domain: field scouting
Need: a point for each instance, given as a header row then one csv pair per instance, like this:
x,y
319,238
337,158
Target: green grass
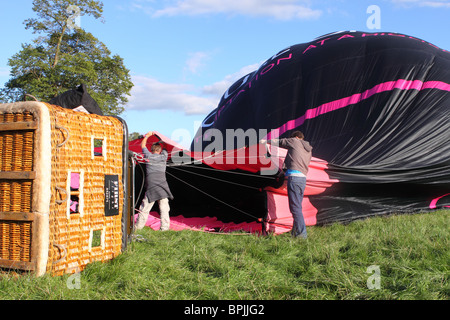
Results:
x,y
411,252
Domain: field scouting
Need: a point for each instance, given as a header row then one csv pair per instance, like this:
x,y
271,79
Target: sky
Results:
x,y
184,54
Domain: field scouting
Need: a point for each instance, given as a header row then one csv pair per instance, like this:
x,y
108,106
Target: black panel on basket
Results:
x,y
111,195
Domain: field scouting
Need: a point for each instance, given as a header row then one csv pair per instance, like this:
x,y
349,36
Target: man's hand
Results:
x,y
144,141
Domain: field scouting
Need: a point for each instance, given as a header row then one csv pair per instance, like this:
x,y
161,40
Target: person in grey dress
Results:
x,y
157,188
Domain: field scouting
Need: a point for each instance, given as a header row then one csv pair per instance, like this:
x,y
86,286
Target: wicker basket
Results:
x,y
46,224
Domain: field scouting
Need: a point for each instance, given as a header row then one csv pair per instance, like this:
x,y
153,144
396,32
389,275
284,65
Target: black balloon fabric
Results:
x,y
375,108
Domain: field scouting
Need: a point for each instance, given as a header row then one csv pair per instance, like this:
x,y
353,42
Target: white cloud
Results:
x,y
4,72
278,9
423,3
196,61
151,94
436,4
218,88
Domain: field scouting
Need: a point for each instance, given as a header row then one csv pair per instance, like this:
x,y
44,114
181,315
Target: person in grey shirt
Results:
x,y
297,161
157,188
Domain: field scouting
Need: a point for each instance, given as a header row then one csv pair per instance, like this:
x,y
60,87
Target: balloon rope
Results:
x,y
237,209
227,171
209,177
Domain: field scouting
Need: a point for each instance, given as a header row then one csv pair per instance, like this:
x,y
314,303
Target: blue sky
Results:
x,y
184,54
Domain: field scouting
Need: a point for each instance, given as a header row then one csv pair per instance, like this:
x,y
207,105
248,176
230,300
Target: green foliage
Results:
x,y
54,14
411,251
66,56
133,136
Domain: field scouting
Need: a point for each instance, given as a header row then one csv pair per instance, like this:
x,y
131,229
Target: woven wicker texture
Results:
x,y
15,240
72,137
16,155
71,246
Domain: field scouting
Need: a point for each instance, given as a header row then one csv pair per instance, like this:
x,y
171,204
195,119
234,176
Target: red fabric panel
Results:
x,y
279,217
251,159
169,145
208,224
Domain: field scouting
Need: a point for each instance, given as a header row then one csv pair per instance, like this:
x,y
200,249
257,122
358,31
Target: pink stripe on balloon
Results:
x,y
356,98
433,204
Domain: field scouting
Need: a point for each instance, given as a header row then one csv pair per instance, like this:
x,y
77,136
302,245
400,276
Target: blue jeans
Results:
x,y
296,188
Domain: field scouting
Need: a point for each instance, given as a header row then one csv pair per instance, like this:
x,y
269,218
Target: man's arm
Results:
x,y
144,141
275,142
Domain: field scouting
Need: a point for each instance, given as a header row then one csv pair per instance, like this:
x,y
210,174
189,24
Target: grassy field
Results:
x,y
395,258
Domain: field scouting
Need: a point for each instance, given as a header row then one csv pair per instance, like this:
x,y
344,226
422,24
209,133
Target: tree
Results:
x,y
133,136
64,56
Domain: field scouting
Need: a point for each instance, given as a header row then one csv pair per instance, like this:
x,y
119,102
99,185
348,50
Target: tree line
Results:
x,y
64,55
